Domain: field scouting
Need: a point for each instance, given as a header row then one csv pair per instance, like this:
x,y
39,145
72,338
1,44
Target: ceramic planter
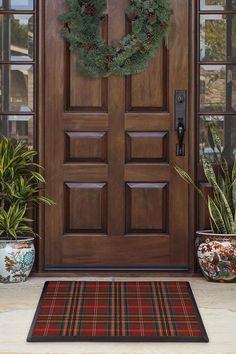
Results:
x,y
217,256
16,259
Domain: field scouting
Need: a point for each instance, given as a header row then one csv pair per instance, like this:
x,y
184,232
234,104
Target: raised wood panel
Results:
x,y
146,207
147,91
203,216
85,94
146,147
86,147
80,87
85,207
117,250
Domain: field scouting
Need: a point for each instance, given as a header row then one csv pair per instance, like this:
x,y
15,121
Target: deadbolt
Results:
x,y
180,108
180,99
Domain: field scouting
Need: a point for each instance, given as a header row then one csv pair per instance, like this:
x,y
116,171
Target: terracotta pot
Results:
x,y
16,259
217,256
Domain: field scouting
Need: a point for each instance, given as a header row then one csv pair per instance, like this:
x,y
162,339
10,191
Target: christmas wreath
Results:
x,y
149,20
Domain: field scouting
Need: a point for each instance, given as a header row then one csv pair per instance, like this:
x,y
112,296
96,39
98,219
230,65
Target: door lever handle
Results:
x,y
180,133
180,120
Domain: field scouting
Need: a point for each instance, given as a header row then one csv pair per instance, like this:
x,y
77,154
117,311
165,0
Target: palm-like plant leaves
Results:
x,y
20,186
13,222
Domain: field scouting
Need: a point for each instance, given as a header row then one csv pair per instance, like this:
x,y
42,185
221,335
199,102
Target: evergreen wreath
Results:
x,y
150,20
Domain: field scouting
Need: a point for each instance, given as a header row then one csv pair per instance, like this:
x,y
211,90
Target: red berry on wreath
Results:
x,y
90,10
151,16
109,59
149,36
142,49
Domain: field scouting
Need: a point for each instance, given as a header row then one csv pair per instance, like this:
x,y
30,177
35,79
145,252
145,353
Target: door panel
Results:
x,y
110,149
144,201
148,90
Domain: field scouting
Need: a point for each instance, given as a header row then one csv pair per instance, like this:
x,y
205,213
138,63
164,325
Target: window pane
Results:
x,y
16,88
226,125
217,4
218,37
16,37
17,4
217,88
18,128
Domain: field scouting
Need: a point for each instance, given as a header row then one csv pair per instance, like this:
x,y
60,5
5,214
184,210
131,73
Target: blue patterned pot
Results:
x,y
217,256
16,259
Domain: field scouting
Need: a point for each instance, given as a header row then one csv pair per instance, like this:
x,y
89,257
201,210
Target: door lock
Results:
x,y
180,120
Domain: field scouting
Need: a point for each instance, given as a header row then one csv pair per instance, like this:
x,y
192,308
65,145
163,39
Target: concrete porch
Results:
x,y
217,304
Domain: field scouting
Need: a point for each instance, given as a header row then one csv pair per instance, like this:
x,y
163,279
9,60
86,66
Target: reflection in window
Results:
x,y
218,37
19,128
16,37
217,4
16,4
16,88
217,99
218,88
226,125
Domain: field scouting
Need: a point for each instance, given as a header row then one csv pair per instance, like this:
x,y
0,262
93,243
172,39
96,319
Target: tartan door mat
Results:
x,y
134,311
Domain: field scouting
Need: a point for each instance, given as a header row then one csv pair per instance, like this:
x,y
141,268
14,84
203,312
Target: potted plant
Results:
x,y
216,248
20,187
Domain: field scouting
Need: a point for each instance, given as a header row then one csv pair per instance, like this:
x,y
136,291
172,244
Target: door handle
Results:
x,y
180,120
180,133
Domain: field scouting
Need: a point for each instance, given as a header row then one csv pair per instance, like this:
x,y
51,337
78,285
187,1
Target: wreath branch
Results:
x,y
149,23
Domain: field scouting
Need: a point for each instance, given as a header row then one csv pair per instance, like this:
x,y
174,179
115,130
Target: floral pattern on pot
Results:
x,y
217,257
16,260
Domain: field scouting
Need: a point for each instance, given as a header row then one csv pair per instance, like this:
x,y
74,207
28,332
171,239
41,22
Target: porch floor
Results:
x,y
217,304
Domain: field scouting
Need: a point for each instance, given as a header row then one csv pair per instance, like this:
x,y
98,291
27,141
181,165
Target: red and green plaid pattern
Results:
x,y
116,311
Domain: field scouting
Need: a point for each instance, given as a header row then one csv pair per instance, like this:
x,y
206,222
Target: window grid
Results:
x,y
223,114
18,85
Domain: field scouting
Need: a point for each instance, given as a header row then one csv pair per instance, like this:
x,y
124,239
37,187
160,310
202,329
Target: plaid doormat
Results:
x,y
117,311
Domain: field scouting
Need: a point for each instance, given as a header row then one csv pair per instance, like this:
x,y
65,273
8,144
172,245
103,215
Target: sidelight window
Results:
x,y
217,72
17,70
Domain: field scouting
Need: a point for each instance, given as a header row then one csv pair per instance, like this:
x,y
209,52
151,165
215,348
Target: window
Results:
x,y
17,70
217,72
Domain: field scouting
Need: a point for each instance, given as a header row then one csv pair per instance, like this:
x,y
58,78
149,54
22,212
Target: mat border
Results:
x,y
166,339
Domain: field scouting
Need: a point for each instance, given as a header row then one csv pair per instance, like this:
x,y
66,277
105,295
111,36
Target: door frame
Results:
x,y
192,132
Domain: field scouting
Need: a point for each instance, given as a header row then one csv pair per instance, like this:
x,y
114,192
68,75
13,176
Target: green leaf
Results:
x,y
234,169
185,176
38,176
46,200
216,216
208,170
13,233
215,138
224,200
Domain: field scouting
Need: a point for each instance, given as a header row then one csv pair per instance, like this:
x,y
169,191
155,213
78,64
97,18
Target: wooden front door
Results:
x,y
110,147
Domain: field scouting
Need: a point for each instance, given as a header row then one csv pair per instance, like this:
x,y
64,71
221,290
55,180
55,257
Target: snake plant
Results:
x,y
221,203
20,187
